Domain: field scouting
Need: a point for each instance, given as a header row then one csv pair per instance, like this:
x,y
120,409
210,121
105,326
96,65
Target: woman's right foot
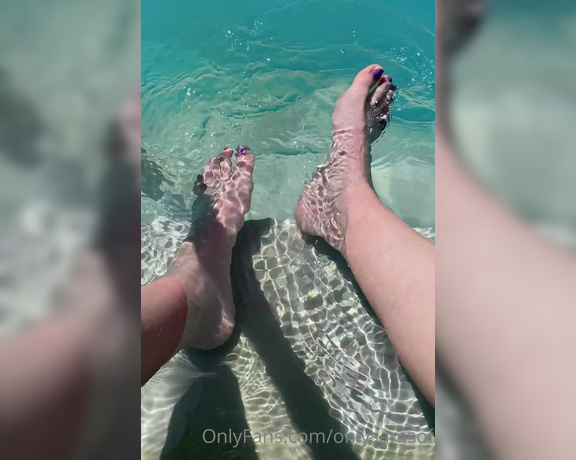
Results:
x,y
360,117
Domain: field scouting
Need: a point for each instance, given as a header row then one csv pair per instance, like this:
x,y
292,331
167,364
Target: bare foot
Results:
x,y
360,116
202,263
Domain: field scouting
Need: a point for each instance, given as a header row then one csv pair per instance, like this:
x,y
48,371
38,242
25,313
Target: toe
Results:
x,y
200,186
379,94
207,174
227,153
225,164
215,168
242,178
243,170
367,77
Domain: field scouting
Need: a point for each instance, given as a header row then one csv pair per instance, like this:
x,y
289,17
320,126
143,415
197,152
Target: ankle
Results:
x,y
209,324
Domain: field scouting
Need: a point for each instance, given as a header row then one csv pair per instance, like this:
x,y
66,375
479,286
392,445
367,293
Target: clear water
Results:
x,y
308,355
267,74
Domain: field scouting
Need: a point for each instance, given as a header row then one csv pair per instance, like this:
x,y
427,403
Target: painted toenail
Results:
x,y
377,73
389,78
393,87
241,150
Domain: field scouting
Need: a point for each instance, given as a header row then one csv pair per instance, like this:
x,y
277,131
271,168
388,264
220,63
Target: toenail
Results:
x,y
241,150
393,87
377,73
389,78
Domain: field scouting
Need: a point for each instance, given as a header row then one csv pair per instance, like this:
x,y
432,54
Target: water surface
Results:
x,y
267,74
308,355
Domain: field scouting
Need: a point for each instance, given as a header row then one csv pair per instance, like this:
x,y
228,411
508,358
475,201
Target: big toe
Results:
x,y
367,78
242,177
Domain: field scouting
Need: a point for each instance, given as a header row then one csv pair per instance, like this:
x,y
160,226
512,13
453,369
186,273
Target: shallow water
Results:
x,y
267,74
308,354
309,357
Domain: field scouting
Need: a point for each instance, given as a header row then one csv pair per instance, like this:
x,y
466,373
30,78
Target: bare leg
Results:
x,y
192,305
392,263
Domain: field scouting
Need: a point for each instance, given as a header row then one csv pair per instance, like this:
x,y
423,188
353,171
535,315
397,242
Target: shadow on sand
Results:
x,y
214,402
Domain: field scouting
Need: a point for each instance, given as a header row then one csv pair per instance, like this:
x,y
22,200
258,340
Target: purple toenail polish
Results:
x,y
240,151
377,73
389,78
393,87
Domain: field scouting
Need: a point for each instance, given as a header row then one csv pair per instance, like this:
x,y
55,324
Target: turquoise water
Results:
x,y
267,74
